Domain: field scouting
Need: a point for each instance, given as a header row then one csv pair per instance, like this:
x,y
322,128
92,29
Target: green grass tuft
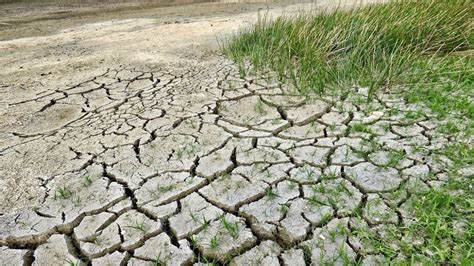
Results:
x,y
373,46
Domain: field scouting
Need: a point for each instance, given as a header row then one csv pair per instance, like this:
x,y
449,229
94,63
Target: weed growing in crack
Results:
x,y
329,175
140,226
63,193
76,201
292,186
193,217
270,194
159,190
204,222
394,158
309,173
87,181
259,107
231,227
366,148
314,201
72,263
193,241
192,149
188,149
191,124
275,121
361,128
307,254
214,242
284,209
385,127
346,152
159,260
344,256
394,111
225,176
190,179
319,189
326,218
343,189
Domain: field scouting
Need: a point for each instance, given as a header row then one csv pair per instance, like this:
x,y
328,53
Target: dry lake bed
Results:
x,y
126,137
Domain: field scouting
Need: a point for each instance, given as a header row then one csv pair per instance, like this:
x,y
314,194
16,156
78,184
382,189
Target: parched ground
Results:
x,y
136,142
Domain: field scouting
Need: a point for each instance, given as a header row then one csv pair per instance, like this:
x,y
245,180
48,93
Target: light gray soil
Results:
x,y
137,141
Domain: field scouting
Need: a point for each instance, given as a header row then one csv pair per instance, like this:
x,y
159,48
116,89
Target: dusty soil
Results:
x,y
127,133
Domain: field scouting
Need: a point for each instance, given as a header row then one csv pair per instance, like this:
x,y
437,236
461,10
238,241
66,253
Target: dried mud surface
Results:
x,y
127,142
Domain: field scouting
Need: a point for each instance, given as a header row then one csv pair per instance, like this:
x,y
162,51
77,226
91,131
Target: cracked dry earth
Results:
x,y
198,164
192,164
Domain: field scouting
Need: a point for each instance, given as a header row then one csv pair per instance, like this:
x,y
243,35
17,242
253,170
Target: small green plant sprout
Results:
x,y
191,149
284,209
207,262
329,175
319,189
292,185
270,194
158,261
343,189
310,174
63,193
193,241
87,181
214,243
72,263
180,152
361,128
275,121
225,176
259,107
140,226
231,227
76,201
333,234
346,260
191,123
326,218
268,174
205,222
159,190
394,158
193,217
314,201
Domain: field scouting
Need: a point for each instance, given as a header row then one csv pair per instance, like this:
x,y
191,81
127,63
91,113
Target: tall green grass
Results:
x,y
375,46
